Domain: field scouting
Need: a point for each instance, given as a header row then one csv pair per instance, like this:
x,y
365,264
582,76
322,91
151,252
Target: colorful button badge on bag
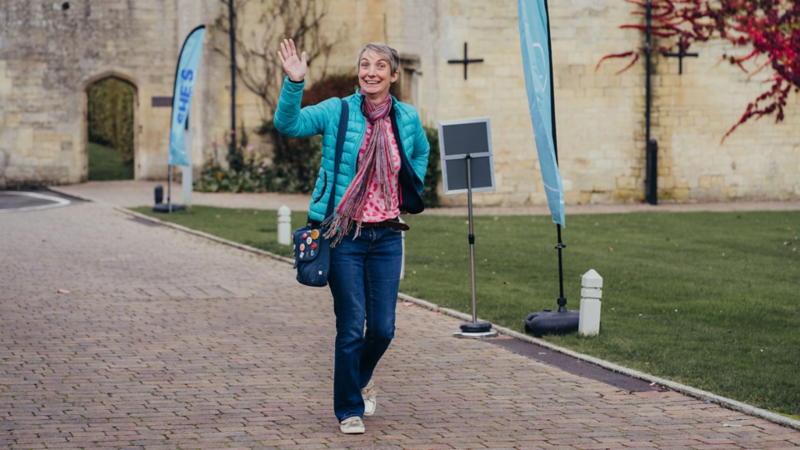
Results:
x,y
314,234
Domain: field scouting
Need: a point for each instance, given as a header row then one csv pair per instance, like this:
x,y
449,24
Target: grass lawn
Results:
x,y
104,164
706,299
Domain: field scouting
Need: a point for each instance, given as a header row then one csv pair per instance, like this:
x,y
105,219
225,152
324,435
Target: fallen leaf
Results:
x,y
407,304
63,291
663,310
496,218
506,282
647,363
787,243
610,249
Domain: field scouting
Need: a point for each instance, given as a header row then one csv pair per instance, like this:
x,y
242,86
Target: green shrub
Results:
x,y
252,174
434,175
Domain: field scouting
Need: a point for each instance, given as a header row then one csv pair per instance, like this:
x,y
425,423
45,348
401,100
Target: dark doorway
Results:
x,y
111,104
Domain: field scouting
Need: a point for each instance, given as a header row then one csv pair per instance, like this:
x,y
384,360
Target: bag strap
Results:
x,y
343,118
339,150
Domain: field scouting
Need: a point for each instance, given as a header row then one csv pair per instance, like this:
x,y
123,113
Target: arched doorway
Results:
x,y
110,118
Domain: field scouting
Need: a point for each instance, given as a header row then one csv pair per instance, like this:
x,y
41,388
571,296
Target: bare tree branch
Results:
x,y
257,64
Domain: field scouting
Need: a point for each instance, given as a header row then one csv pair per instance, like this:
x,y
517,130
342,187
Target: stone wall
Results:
x,y
600,115
48,56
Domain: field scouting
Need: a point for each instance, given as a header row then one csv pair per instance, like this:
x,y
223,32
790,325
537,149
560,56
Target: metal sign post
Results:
x,y
467,166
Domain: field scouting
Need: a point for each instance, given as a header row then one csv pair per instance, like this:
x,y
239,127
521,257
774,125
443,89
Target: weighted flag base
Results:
x,y
552,322
164,208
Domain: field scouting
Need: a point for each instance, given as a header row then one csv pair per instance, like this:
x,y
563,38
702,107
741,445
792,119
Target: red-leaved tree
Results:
x,y
768,30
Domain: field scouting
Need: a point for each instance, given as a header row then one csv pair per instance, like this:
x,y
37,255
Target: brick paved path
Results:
x,y
169,340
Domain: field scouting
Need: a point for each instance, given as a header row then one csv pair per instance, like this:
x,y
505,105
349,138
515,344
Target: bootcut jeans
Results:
x,y
364,280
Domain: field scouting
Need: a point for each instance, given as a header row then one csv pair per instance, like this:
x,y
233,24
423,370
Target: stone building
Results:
x,y
50,52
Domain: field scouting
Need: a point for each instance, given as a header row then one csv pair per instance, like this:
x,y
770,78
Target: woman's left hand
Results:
x,y
295,67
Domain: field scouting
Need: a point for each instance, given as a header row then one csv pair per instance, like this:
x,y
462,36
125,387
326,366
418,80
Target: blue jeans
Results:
x,y
364,280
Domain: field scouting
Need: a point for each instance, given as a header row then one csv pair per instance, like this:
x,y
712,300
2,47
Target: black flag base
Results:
x,y
475,330
553,322
164,208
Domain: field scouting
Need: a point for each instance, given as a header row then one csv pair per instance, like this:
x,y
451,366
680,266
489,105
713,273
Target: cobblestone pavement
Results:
x,y
168,340
140,193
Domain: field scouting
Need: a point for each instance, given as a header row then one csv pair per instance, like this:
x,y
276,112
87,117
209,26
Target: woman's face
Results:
x,y
375,76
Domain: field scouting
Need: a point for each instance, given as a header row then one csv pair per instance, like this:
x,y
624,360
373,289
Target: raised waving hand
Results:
x,y
294,65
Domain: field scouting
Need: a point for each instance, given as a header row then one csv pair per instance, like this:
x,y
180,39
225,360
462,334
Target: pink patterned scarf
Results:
x,y
377,163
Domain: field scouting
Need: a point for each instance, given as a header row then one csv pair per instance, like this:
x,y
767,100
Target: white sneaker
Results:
x,y
353,425
370,403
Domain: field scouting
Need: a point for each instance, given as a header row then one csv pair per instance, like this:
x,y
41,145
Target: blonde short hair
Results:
x,y
384,50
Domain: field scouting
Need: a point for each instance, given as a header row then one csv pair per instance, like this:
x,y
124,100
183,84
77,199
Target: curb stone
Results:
x,y
677,387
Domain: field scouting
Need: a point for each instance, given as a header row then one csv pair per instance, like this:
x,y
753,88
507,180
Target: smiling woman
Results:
x,y
356,202
378,68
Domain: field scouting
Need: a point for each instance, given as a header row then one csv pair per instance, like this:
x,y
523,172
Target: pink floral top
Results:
x,y
375,209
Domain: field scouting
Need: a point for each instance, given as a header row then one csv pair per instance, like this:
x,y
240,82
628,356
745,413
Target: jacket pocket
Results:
x,y
324,187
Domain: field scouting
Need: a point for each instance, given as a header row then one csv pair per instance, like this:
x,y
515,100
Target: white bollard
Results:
x,y
591,293
284,225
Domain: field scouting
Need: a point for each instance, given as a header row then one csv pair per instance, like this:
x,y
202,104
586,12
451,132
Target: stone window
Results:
x,y
409,79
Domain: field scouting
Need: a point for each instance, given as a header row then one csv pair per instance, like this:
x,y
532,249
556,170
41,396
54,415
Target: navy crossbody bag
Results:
x,y
312,251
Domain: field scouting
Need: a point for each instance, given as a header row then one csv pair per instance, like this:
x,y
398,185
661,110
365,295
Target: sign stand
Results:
x,y
467,167
473,329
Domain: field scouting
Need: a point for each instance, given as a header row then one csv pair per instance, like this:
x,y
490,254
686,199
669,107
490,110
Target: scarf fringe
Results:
x,y
377,162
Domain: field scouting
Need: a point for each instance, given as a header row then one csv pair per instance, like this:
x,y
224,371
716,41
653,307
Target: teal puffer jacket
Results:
x,y
323,119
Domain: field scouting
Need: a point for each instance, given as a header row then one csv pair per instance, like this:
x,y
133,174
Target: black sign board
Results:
x,y
459,139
